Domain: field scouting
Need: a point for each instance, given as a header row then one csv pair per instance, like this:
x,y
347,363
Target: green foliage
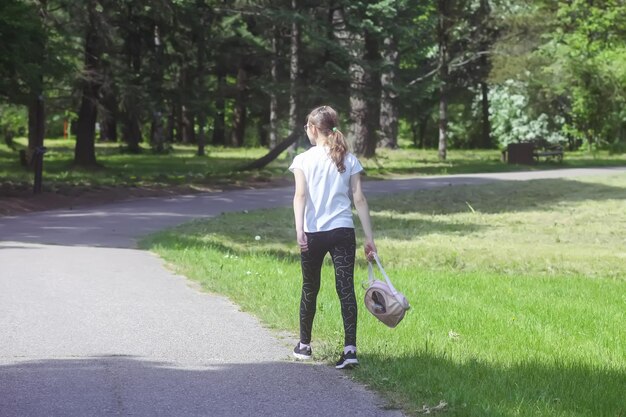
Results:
x,y
571,61
566,59
511,117
13,119
589,56
22,39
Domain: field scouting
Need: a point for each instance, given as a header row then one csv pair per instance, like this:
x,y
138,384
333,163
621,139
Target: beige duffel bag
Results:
x,y
382,299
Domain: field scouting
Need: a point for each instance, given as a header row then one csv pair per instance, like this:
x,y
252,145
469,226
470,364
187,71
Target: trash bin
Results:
x,y
520,153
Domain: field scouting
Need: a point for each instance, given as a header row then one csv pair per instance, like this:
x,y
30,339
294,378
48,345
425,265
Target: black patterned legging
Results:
x,y
341,243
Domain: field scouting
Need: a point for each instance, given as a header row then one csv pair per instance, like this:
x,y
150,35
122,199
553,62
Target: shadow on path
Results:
x,y
126,385
119,225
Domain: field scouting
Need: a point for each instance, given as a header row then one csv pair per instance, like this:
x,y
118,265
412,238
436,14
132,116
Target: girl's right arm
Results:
x,y
363,211
299,201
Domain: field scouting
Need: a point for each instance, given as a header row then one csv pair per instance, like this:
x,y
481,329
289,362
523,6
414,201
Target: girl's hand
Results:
x,y
370,249
302,241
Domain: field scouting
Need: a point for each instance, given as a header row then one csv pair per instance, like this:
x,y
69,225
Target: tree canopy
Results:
x,y
446,74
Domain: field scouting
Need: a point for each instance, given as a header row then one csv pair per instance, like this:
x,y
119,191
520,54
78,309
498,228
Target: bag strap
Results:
x,y
370,271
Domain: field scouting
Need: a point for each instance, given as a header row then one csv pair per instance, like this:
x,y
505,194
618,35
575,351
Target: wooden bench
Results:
x,y
528,153
545,149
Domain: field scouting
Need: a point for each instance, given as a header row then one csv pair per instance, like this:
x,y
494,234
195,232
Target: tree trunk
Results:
x,y
108,130
371,93
36,125
443,123
108,120
273,98
262,128
131,131
85,151
239,112
388,107
169,127
188,117
108,115
358,129
422,132
200,86
130,112
32,157
273,153
219,134
29,157
294,69
178,117
486,131
443,78
157,136
189,135
9,134
488,37
354,44
201,136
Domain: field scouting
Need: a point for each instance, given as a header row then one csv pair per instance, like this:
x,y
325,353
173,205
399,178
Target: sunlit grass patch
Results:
x,y
518,293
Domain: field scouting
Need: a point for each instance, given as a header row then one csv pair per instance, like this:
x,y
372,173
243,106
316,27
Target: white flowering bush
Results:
x,y
510,117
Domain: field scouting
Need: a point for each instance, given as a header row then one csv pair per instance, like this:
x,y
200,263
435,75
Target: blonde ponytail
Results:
x,y
338,149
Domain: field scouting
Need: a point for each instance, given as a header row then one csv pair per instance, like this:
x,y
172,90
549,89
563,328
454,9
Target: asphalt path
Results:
x,y
91,326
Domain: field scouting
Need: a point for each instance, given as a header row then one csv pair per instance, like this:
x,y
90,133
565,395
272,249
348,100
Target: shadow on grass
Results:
x,y
483,389
484,165
455,167
400,229
499,197
127,385
490,198
185,241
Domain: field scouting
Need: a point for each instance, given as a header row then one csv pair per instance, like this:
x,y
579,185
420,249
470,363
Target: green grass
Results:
x,y
518,293
393,163
178,167
182,167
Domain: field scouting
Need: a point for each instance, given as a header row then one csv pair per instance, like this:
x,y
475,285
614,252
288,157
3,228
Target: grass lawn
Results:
x,y
182,167
518,293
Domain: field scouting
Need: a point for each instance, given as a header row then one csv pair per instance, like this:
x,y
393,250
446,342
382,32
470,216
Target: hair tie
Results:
x,y
334,129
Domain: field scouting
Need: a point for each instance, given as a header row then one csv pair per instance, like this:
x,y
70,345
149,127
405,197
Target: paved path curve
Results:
x,y
90,326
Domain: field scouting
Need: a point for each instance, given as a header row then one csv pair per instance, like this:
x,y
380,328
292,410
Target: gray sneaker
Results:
x,y
347,360
302,354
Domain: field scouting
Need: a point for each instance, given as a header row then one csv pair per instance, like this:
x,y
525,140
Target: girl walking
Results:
x,y
326,175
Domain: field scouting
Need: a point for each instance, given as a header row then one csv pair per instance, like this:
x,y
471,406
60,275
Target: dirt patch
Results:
x,y
18,200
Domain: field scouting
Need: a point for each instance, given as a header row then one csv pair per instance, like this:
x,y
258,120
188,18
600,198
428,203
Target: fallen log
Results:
x,y
272,154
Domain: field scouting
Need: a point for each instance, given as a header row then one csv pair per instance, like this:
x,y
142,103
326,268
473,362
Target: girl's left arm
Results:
x,y
362,209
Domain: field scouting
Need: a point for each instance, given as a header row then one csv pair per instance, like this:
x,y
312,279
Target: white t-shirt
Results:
x,y
328,204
